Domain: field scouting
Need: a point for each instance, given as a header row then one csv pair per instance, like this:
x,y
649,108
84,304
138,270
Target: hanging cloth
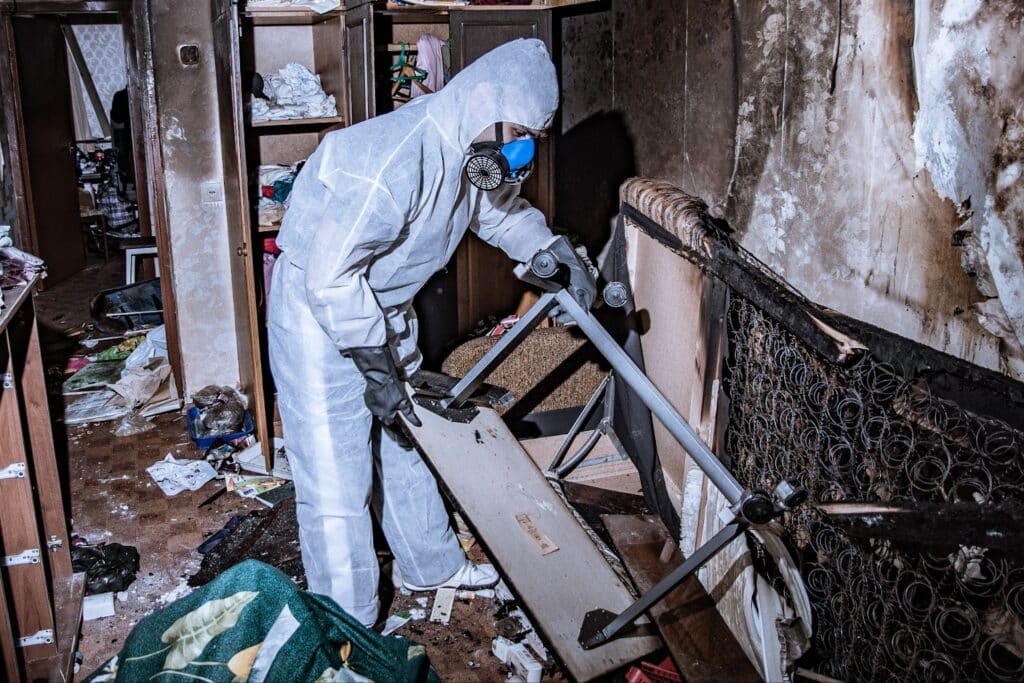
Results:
x,y
430,59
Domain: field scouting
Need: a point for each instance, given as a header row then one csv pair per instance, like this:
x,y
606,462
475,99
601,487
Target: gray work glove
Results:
x,y
582,276
385,396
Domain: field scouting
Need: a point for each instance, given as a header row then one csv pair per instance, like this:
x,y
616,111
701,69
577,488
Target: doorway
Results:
x,y
82,150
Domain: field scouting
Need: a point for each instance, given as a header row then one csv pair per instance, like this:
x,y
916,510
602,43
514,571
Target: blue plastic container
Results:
x,y
204,442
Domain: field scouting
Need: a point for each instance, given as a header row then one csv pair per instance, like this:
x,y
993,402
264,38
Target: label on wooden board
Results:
x,y
543,543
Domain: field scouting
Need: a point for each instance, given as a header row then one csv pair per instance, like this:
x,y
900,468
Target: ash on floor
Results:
x,y
113,499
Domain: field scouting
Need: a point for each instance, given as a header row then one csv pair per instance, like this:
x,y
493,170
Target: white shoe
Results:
x,y
469,577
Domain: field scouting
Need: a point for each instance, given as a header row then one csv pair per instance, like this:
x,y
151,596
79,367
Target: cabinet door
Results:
x,y
359,63
236,202
486,282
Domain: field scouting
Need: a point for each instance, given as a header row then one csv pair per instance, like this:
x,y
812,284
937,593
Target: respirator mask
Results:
x,y
495,162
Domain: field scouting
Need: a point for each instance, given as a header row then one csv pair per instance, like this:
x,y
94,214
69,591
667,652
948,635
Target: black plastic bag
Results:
x,y
108,567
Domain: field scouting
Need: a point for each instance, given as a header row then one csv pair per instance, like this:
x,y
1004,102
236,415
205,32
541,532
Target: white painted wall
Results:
x,y
201,249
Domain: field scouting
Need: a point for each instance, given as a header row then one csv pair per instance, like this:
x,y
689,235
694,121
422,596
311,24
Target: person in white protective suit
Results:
x,y
375,211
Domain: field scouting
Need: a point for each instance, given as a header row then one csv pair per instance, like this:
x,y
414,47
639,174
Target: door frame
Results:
x,y
153,220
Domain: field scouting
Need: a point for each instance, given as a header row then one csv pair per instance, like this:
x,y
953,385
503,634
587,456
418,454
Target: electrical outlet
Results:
x,y
213,192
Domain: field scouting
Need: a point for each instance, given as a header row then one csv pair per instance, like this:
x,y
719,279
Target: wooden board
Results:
x,y
493,480
279,123
700,643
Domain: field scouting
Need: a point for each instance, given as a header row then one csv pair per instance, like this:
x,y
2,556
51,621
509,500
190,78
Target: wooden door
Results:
x,y
236,200
50,224
359,63
486,283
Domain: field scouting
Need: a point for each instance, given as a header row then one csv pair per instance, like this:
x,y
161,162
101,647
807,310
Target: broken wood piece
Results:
x,y
933,526
701,645
444,600
846,344
487,472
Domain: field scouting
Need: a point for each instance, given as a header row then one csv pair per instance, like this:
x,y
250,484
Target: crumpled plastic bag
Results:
x,y
136,386
108,567
221,410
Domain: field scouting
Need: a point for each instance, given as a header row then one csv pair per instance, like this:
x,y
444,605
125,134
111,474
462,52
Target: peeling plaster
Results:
x,y
822,180
969,136
200,236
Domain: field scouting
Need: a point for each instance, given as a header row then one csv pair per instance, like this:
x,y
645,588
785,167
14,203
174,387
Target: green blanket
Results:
x,y
253,624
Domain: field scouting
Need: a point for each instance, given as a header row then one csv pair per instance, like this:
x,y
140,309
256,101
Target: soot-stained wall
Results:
x,y
869,151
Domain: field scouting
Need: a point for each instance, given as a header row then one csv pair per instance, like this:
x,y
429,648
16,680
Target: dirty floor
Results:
x,y
113,499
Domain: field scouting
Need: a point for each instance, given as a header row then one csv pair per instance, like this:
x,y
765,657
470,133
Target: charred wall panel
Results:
x,y
797,121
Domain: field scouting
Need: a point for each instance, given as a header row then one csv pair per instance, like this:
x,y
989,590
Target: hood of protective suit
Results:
x,y
514,83
381,206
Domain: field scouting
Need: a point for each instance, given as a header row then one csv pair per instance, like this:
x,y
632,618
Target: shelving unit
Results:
x,y
40,597
263,41
341,47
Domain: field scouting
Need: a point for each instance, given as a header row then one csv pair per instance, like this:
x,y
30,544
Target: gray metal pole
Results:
x,y
507,342
652,398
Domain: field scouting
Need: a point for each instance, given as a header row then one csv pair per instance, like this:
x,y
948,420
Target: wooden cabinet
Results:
x,y
352,49
40,598
359,63
335,46
486,283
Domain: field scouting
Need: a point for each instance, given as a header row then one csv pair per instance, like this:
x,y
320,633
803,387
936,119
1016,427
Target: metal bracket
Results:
x,y
44,637
750,507
8,380
15,470
54,543
30,556
605,396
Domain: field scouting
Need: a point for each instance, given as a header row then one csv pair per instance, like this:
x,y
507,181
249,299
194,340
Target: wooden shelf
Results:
x,y
287,16
299,123
268,228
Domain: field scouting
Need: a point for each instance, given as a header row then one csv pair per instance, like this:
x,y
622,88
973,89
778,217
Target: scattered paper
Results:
x,y
395,622
251,459
423,602
444,600
98,606
174,476
418,614
251,487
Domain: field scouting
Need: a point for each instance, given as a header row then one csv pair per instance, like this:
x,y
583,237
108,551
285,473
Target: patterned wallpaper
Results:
x,y
103,49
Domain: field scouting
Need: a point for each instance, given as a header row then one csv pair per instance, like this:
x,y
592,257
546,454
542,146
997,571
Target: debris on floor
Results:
x,y
98,606
129,380
270,535
250,459
174,476
395,622
444,600
218,413
647,672
108,567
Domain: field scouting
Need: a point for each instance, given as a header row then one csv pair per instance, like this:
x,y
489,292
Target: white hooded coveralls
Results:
x,y
376,210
